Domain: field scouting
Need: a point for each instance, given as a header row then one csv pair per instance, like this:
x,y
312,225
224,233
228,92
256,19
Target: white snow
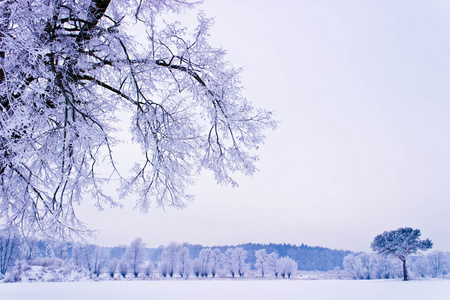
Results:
x,y
229,289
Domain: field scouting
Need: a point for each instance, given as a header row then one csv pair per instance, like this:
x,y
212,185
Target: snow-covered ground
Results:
x,y
229,289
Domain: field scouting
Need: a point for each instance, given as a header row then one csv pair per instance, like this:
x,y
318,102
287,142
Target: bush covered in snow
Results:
x,y
45,270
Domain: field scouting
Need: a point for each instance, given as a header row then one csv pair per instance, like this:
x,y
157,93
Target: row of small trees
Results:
x,y
175,260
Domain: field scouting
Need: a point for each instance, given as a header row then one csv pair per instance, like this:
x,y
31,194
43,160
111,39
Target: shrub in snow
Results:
x,y
16,273
45,270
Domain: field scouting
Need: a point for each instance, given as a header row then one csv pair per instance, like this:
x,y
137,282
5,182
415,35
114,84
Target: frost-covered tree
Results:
x,y
227,261
99,260
239,261
400,243
205,258
438,263
419,267
117,252
149,269
290,267
112,267
86,256
286,267
30,248
214,263
354,266
60,250
77,255
384,268
170,258
272,263
197,267
135,256
123,267
9,251
184,263
164,268
68,66
261,261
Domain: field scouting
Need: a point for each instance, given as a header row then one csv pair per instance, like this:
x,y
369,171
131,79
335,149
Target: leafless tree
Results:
x,y
184,263
170,257
99,259
149,269
272,263
135,256
9,251
239,259
123,267
261,261
205,258
215,262
112,267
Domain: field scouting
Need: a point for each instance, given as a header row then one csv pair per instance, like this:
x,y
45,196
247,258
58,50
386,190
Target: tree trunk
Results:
x,y
405,272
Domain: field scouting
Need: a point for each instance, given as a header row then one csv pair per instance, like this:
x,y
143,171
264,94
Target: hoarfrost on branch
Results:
x,y
68,66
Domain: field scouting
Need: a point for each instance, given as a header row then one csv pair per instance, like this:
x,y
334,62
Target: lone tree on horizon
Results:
x,y
400,243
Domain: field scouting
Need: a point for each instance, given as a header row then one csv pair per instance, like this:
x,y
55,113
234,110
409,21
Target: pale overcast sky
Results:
x,y
361,89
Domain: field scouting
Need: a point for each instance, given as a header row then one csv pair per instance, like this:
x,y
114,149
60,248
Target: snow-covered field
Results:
x,y
229,289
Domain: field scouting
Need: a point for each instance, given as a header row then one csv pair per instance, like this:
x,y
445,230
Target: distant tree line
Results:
x,y
18,255
21,257
307,258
